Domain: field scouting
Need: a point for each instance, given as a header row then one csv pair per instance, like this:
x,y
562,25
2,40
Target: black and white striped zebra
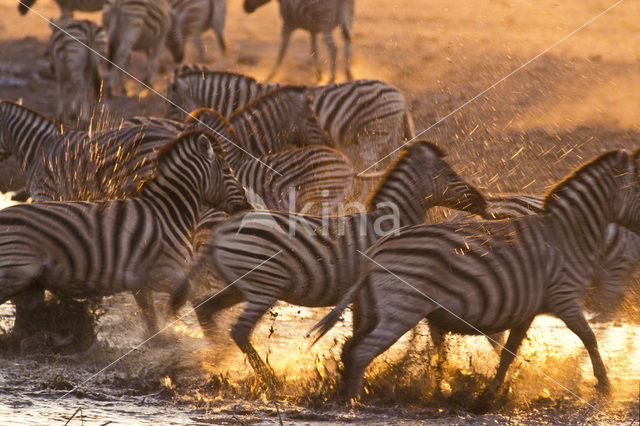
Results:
x,y
84,249
314,258
311,180
490,276
146,25
80,165
196,16
195,86
77,69
315,16
276,121
66,6
363,118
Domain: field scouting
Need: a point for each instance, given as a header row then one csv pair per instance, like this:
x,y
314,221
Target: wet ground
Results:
x,y
522,135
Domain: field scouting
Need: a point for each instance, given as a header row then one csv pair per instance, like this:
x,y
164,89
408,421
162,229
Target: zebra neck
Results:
x,y
234,154
28,133
176,204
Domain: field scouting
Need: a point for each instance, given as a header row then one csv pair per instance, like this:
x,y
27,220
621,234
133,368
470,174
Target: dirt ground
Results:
x,y
517,92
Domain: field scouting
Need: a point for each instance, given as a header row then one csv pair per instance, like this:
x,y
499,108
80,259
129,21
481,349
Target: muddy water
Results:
x,y
179,377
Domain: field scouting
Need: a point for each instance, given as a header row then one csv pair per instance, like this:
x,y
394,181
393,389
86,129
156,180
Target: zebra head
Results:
x,y
421,179
251,5
628,196
193,165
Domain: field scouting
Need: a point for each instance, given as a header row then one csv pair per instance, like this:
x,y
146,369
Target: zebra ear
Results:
x,y
204,146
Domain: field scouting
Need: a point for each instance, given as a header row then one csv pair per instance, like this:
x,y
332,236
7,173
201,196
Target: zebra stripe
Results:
x,y
363,118
196,16
83,249
139,25
277,121
317,260
194,86
66,6
76,68
489,276
316,178
315,16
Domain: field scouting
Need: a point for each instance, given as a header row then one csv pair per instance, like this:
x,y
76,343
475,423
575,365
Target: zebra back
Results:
x,y
276,121
195,86
23,132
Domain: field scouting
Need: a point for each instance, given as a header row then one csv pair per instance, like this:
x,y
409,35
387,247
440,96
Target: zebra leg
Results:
x,y
333,53
438,337
144,299
207,307
152,64
253,311
29,306
314,56
286,36
219,16
371,339
516,336
346,37
576,322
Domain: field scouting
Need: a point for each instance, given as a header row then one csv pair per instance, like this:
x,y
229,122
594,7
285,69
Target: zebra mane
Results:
x,y
194,119
39,114
166,149
261,98
617,161
403,158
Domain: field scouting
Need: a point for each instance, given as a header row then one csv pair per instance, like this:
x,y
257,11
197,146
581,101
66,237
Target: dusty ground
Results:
x,y
523,134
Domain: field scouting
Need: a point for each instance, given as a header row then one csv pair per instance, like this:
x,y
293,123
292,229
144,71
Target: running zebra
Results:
x,y
77,69
81,249
139,25
195,86
489,276
80,165
21,128
312,260
312,180
363,118
66,6
315,16
196,16
277,121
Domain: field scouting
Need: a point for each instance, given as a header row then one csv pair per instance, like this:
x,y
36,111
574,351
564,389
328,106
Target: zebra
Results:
x,y
196,16
195,86
66,6
314,258
84,249
315,16
311,180
139,25
490,276
276,121
76,68
362,118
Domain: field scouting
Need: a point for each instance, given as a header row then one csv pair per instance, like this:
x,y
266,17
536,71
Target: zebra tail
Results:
x,y
327,323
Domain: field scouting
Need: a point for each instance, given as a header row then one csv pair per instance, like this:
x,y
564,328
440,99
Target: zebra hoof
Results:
x,y
482,404
603,388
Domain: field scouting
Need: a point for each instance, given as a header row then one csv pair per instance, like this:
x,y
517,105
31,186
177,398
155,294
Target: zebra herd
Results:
x,y
80,51
249,192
